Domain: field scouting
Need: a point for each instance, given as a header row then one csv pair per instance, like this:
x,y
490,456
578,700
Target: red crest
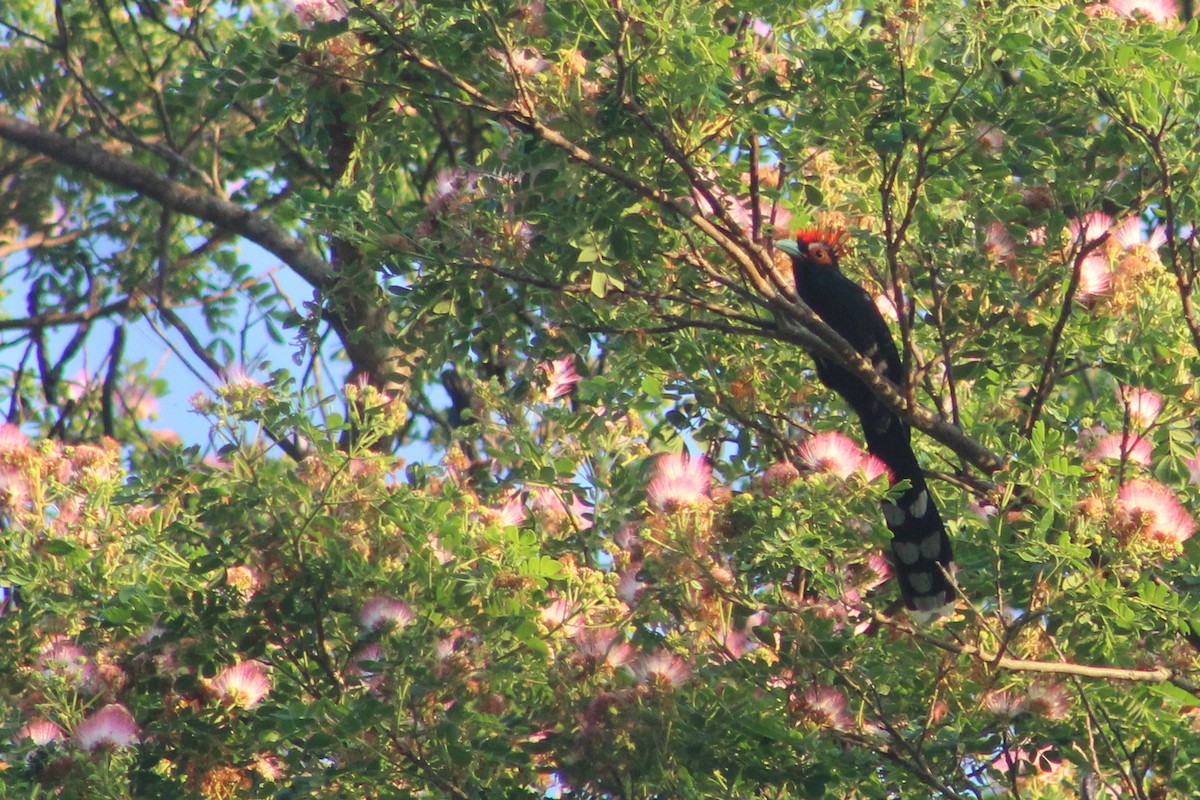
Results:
x,y
836,239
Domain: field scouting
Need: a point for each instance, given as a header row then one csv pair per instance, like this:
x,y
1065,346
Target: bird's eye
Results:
x,y
820,254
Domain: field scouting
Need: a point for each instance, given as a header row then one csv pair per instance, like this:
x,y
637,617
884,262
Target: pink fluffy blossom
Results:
x,y
887,308
112,727
1005,703
382,612
563,615
777,476
605,644
41,732
999,243
678,480
827,707
1144,405
242,685
12,439
550,502
561,377
629,587
660,668
62,657
1154,509
1119,446
512,513
1158,11
238,375
313,11
831,452
1051,700
1095,277
1091,227
1128,232
521,60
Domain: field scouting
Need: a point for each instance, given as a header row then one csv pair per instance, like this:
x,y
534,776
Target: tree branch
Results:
x,y
91,158
1156,675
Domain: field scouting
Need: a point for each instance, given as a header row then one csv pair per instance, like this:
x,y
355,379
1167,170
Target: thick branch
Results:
x,y
1156,675
91,157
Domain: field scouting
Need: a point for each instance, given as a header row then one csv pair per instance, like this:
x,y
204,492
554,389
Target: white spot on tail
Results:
x,y
907,552
922,583
920,505
893,514
931,545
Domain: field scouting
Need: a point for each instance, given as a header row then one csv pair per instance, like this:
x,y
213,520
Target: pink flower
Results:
x,y
550,502
999,243
1093,225
827,707
660,668
1005,703
735,642
831,452
1119,446
777,476
77,385
990,137
1158,11
41,732
448,186
512,513
12,439
1158,237
313,11
874,572
562,377
269,767
678,480
601,643
872,467
112,727
1128,232
760,28
384,613
562,614
242,685
1144,405
238,375
629,588
885,306
62,657
1095,278
243,580
1050,700
1149,505
595,642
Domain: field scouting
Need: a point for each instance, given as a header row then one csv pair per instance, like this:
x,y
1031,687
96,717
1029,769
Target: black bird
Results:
x,y
921,551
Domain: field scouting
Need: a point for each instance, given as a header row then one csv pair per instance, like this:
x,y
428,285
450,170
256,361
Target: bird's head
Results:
x,y
816,247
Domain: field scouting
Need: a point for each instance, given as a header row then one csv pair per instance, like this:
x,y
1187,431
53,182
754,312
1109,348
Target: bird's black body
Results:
x,y
920,548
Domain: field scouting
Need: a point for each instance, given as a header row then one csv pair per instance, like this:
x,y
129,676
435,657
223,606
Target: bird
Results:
x,y
921,553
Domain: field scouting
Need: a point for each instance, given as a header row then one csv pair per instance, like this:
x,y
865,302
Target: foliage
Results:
x,y
539,241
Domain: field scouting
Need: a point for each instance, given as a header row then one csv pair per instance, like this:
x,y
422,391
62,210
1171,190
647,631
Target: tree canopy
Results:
x,y
635,550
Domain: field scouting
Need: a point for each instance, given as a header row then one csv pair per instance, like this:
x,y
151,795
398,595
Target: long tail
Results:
x,y
920,547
